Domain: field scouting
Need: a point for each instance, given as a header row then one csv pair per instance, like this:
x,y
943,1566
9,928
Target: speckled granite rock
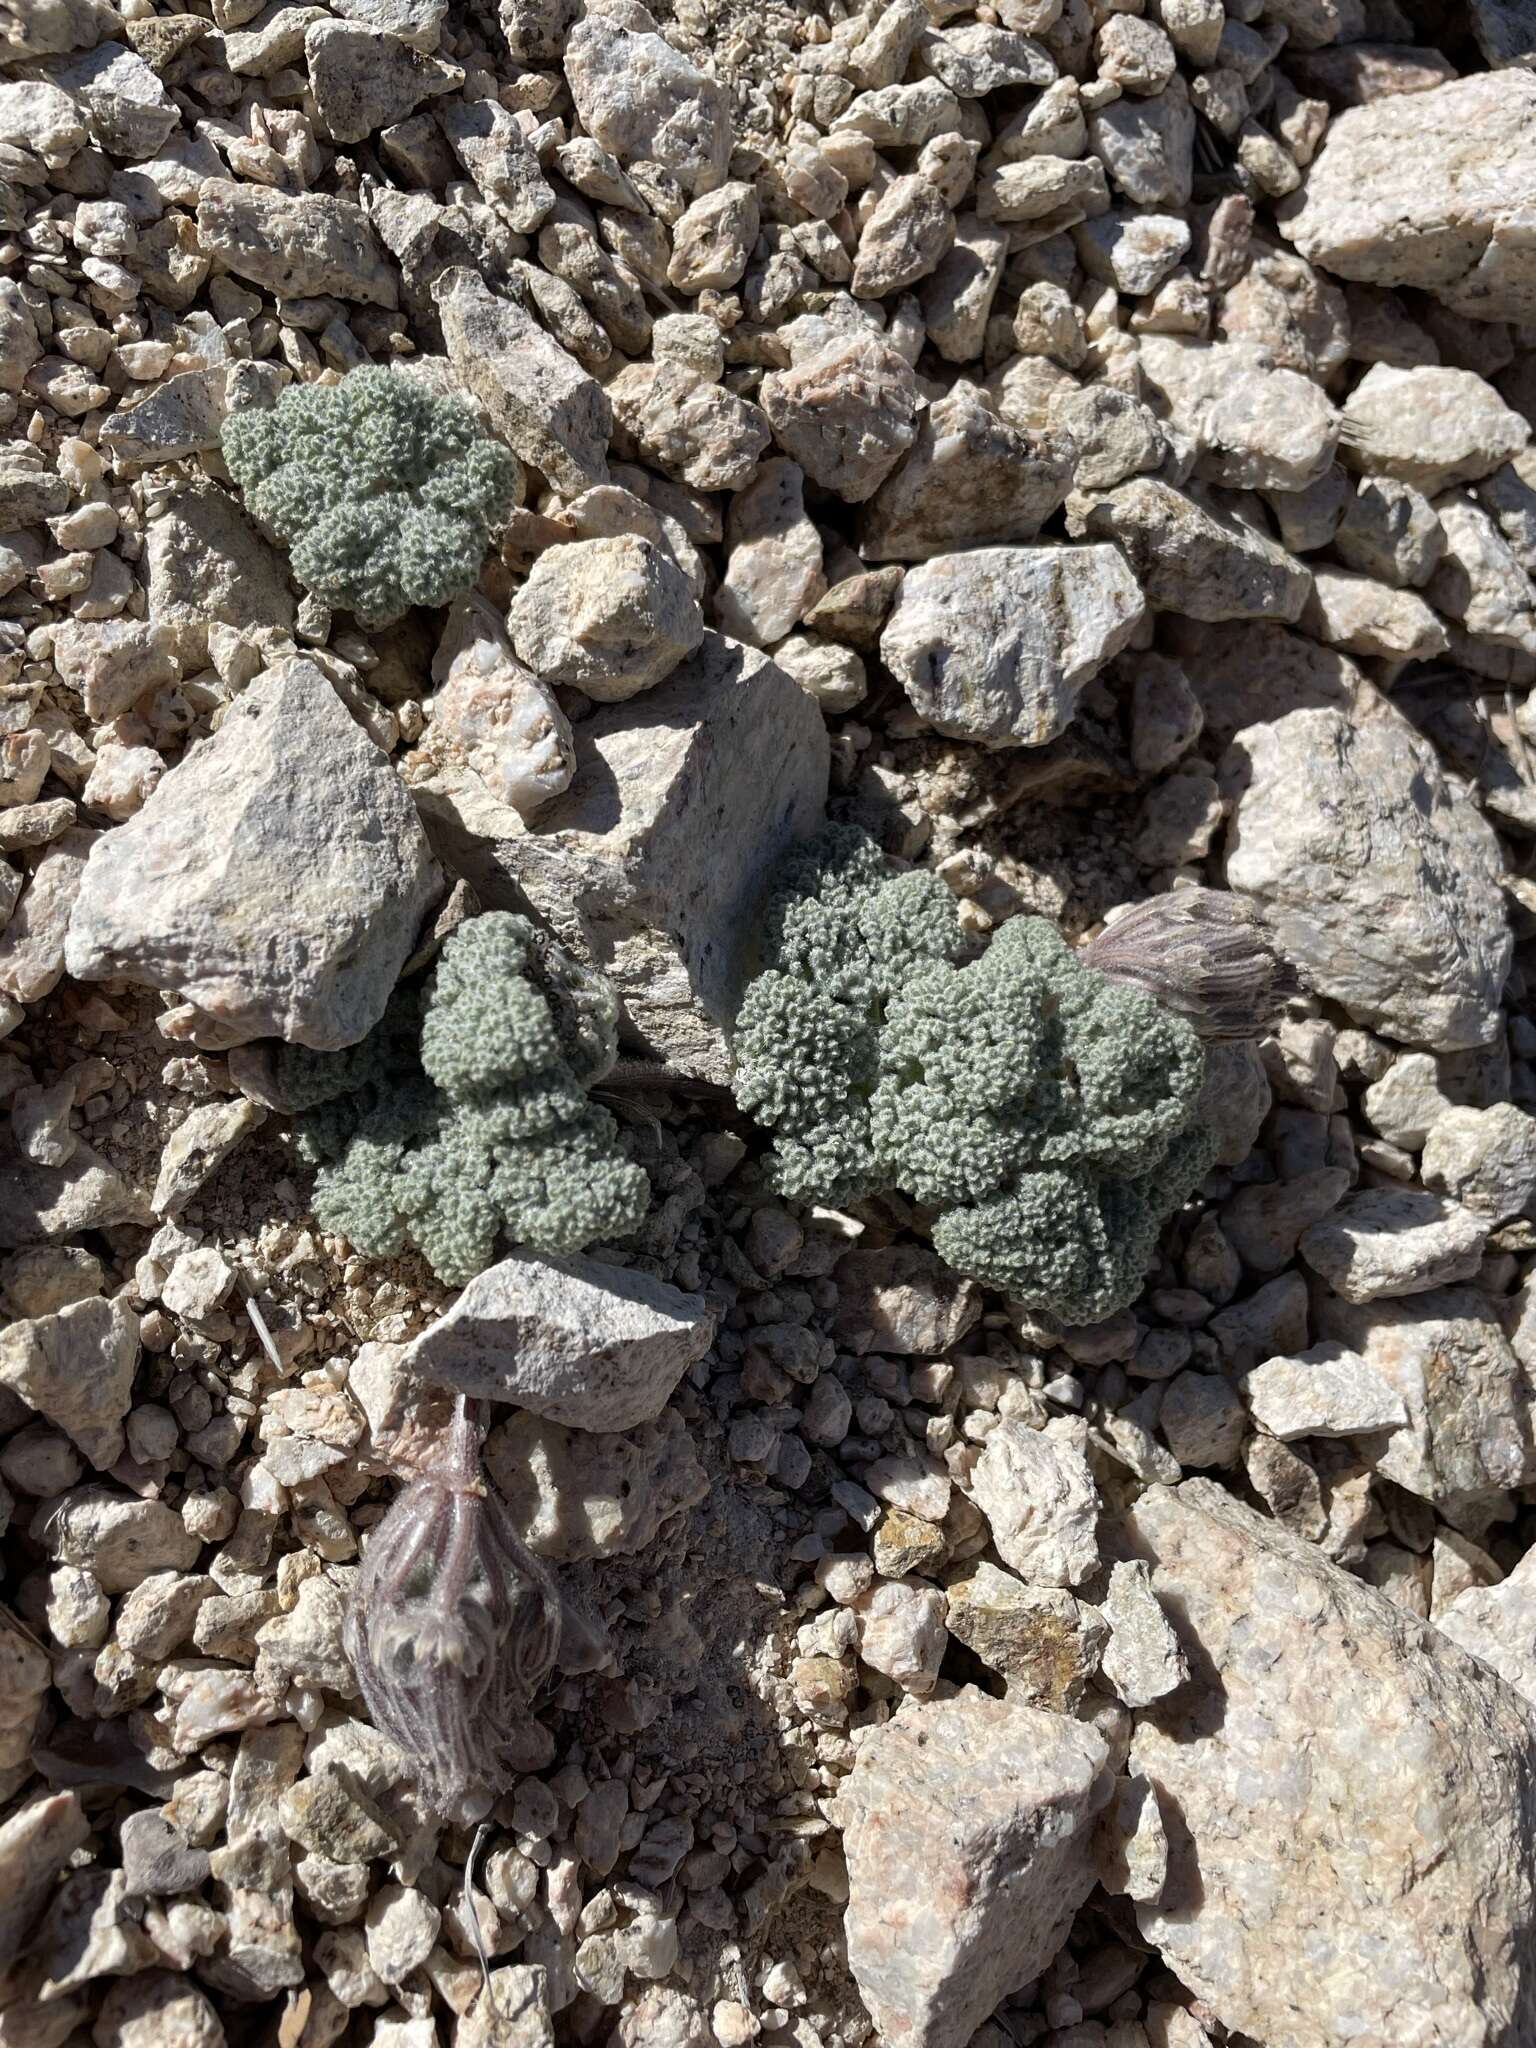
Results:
x,y
1471,145
1381,879
1471,1434
969,1838
1338,1871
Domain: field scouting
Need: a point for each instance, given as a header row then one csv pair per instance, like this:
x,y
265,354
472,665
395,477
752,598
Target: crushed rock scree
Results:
x,y
1043,432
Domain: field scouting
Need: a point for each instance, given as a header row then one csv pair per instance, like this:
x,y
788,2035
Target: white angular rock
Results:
x,y
42,116
613,617
620,866
847,413
958,296
1206,564
995,645
1381,879
76,1369
834,676
32,944
1405,1880
1112,434
1326,1391
1040,1499
291,874
50,27
1430,426
1133,1845
968,1830
296,244
537,397
1147,145
1142,1659
493,149
1366,617
1391,1241
1132,249
1470,1436
773,573
43,1204
1258,427
1390,531
492,719
130,112
1484,1158
1050,193
642,99
1509,495
119,1539
713,239
902,1633
1471,144
1497,1625
594,1346
113,662
687,425
206,566
904,238
538,28
1478,580
364,79
197,1147
1407,1100
897,116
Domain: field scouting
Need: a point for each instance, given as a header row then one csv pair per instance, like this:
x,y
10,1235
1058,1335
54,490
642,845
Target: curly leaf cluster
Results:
x,y
386,495
1042,1111
487,1127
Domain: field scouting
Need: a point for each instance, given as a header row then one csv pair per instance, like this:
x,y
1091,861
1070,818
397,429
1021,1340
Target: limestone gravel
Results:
x,y
1114,324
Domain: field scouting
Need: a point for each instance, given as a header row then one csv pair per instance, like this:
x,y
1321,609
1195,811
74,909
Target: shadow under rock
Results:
x,y
702,1635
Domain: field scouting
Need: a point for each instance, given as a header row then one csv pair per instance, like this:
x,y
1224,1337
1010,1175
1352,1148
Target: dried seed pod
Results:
x,y
453,1625
1205,953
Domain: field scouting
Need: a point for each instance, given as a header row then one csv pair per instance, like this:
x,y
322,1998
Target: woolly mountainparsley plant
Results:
x,y
1043,1112
385,495
465,1114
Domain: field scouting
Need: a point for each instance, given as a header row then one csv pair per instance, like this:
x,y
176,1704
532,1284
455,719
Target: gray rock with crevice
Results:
x,y
650,866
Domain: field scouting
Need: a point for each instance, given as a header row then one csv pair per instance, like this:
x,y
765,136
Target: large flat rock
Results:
x,y
1431,189
1348,1799
651,864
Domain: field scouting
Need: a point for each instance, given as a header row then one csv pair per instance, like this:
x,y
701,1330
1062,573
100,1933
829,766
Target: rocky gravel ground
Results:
x,y
547,463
